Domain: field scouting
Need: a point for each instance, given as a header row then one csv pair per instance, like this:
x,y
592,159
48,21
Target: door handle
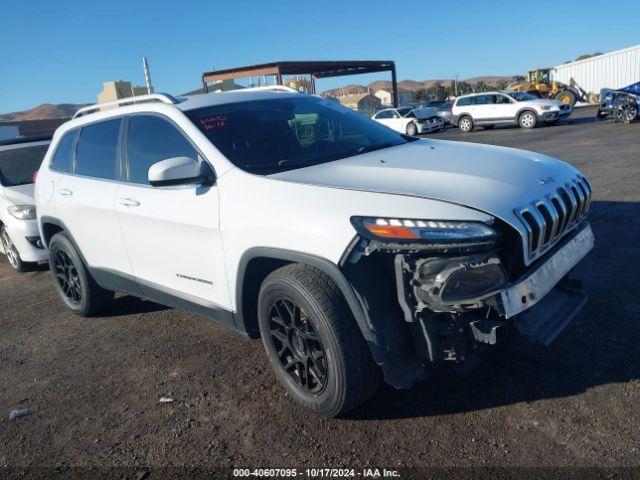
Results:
x,y
129,202
65,192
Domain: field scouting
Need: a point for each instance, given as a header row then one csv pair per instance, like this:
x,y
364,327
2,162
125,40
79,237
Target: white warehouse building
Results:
x,y
610,70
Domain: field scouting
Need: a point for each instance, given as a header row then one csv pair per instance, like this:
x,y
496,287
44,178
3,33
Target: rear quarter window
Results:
x,y
63,158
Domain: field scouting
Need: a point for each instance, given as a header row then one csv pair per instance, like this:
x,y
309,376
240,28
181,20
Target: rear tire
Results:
x,y
74,284
465,124
528,120
313,343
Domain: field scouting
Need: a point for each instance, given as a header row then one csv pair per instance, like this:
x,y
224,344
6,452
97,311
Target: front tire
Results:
x,y
412,130
74,284
10,250
528,120
313,342
465,124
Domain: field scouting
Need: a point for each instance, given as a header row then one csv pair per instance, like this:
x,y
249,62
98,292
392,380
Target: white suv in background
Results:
x,y
19,235
352,251
489,109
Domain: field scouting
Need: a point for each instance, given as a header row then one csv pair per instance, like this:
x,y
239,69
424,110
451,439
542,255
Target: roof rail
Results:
x,y
152,97
273,88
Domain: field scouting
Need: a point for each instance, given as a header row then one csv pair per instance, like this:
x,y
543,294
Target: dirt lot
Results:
x,y
92,386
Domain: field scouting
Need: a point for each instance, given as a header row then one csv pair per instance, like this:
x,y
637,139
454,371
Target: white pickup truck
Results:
x,y
354,252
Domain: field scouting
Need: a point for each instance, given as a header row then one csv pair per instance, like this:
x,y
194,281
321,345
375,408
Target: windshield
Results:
x,y
270,136
404,111
18,165
521,96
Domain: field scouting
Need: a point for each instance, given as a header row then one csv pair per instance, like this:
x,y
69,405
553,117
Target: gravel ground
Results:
x,y
92,386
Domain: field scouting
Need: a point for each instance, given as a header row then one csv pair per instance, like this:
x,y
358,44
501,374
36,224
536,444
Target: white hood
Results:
x,y
426,112
20,195
495,180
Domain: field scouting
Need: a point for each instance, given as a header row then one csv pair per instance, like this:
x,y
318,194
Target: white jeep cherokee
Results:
x,y
353,251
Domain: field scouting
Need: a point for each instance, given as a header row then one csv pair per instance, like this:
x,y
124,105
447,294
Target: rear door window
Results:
x,y
96,152
150,140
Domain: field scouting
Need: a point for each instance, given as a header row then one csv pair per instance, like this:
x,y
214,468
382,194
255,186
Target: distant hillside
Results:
x,y
411,85
346,90
44,111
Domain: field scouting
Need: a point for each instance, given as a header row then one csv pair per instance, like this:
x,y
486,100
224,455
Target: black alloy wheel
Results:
x,y
76,287
298,346
68,277
313,342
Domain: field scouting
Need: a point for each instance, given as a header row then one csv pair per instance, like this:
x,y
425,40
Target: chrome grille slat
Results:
x,y
581,199
555,219
543,230
563,213
587,189
575,201
547,220
569,202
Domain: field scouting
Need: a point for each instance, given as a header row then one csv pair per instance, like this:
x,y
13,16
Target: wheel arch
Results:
x,y
465,115
49,226
258,262
527,109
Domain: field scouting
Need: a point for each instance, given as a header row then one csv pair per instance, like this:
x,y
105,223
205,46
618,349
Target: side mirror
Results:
x,y
179,171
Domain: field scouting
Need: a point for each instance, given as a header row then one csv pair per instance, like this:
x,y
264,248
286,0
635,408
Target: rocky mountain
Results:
x,y
411,85
44,111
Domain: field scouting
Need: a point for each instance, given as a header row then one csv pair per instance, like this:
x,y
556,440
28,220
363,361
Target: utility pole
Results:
x,y
147,75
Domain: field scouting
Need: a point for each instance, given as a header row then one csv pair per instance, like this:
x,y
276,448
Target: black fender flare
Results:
x,y
292,256
60,224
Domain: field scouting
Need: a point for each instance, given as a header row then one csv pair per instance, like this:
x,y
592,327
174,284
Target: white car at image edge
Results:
x,y
355,253
19,235
488,109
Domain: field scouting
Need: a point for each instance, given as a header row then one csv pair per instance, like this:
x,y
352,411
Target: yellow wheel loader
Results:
x,y
538,82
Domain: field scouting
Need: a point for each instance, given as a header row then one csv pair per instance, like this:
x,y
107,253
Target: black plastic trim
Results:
x,y
325,265
114,280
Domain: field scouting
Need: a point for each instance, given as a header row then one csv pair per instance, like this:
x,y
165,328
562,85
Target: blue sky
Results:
x,y
62,51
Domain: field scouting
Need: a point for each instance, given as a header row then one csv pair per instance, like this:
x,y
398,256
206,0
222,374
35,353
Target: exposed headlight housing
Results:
x,y
546,107
22,212
446,282
429,231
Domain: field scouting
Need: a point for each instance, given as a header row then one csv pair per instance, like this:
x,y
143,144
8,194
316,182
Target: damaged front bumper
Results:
x,y
457,304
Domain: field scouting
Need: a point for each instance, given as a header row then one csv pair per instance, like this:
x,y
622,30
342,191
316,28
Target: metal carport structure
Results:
x,y
316,69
